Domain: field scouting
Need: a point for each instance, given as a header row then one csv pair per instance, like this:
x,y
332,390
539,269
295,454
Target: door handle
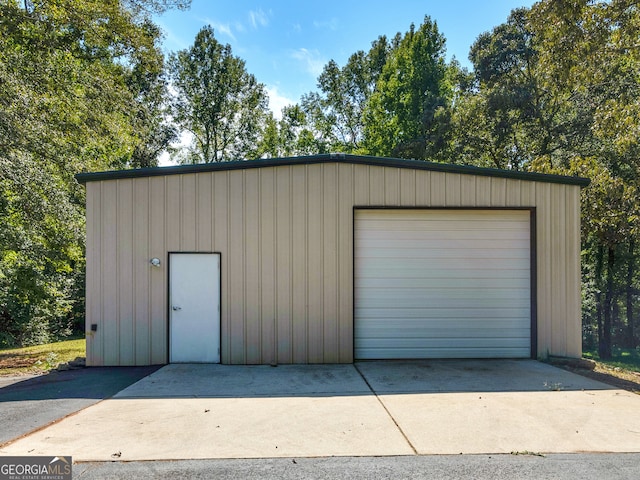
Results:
x,y
175,308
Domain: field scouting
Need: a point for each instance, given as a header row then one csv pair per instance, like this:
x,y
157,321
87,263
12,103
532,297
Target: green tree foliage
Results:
x,y
394,100
217,101
524,116
80,89
42,257
289,136
337,111
406,115
557,90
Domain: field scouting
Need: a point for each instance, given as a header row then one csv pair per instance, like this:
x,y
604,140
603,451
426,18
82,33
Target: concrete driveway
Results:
x,y
366,409
30,402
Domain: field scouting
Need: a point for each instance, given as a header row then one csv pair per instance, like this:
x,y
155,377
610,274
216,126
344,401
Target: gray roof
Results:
x,y
331,158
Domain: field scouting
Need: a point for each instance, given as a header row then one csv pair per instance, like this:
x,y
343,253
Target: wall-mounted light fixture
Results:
x,y
155,262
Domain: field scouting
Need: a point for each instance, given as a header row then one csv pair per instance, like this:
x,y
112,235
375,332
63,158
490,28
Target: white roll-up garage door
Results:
x,y
442,284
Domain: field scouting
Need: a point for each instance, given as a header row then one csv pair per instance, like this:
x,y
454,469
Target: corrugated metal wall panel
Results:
x,y
293,225
483,192
236,269
252,267
124,256
110,336
172,197
330,279
268,276
453,190
94,273
437,189
188,213
299,266
141,273
558,266
544,272
158,276
408,187
344,287
221,242
468,190
315,266
283,232
204,213
423,190
573,289
391,186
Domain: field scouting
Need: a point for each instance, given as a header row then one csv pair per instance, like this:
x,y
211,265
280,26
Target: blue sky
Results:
x,y
286,43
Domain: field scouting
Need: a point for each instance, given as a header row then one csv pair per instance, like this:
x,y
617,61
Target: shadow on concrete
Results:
x,y
361,378
92,383
472,376
30,404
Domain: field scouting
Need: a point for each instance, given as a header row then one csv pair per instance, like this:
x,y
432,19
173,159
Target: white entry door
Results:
x,y
194,308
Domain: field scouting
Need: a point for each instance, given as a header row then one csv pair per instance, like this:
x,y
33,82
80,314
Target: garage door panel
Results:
x,y
462,326
449,352
418,273
442,283
427,314
443,264
470,303
475,221
431,230
443,342
456,250
433,295
441,338
414,240
469,233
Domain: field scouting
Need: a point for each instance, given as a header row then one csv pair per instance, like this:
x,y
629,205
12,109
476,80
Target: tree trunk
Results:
x,y
598,280
631,263
605,343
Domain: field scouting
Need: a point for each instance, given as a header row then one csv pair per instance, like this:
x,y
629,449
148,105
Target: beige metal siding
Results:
x,y
285,238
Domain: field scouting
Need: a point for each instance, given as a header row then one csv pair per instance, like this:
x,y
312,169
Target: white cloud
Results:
x,y
311,59
297,28
258,18
329,24
220,28
277,101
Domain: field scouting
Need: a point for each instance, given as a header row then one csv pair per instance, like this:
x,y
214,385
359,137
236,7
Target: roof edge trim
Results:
x,y
329,158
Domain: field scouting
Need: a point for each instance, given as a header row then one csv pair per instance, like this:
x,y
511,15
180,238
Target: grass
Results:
x,y
625,359
40,358
622,371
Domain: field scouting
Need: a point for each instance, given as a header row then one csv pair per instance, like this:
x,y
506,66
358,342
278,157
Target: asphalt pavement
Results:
x,y
433,467
31,402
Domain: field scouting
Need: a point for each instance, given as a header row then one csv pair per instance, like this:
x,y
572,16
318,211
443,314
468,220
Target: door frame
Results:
x,y
533,261
168,301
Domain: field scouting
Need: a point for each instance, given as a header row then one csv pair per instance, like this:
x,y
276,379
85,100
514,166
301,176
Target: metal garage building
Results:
x,y
330,258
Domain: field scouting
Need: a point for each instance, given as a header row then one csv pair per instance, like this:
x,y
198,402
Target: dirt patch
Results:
x,y
39,359
18,361
614,376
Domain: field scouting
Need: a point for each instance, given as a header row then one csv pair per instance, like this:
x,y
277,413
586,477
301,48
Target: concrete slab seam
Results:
x,y
386,409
